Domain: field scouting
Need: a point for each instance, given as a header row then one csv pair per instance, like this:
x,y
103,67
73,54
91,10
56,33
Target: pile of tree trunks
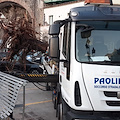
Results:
x,y
20,36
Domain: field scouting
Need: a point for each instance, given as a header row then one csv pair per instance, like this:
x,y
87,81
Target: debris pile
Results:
x,y
20,36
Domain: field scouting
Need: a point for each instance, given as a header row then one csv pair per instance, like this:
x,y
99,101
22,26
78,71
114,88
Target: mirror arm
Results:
x,y
63,60
66,62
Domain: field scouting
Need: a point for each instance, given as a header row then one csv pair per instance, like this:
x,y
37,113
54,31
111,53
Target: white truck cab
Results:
x,y
89,63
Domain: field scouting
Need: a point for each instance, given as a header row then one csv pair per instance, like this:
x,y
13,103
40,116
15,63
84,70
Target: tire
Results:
x,y
63,108
60,112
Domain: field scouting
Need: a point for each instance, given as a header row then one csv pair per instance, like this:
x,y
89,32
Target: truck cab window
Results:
x,y
101,45
66,47
66,40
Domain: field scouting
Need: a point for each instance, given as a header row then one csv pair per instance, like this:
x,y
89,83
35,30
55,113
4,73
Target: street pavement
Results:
x,y
38,104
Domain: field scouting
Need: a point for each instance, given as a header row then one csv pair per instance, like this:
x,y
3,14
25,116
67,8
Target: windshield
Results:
x,y
102,45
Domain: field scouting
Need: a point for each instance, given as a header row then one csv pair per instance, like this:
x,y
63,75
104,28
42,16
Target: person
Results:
x,y
115,56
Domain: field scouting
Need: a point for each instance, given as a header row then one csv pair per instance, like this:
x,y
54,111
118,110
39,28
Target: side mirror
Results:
x,y
54,29
54,47
85,33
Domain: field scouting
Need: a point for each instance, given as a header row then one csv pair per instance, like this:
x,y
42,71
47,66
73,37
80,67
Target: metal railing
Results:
x,y
9,88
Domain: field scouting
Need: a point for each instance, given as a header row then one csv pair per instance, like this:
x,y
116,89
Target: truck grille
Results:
x,y
113,103
112,94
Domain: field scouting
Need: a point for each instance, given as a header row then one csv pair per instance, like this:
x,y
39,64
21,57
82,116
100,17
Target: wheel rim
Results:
x,y
35,72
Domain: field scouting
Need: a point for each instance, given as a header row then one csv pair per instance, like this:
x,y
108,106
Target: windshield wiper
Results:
x,y
105,62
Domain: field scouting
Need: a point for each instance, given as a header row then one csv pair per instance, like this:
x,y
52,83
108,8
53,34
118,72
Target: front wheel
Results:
x,y
63,108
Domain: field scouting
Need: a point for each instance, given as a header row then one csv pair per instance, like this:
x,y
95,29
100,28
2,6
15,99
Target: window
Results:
x,y
66,40
66,46
44,20
50,19
103,44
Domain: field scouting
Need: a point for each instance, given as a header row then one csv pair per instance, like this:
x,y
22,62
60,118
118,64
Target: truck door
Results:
x,y
65,53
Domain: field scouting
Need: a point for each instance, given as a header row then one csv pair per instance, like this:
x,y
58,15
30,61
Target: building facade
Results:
x,y
57,10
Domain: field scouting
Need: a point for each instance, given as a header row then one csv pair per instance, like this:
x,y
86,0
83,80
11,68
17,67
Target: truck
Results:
x,y
87,47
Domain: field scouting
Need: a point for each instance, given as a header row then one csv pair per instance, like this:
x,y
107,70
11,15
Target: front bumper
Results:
x,y
96,115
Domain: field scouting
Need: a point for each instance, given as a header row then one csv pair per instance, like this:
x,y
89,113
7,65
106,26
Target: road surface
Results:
x,y
38,104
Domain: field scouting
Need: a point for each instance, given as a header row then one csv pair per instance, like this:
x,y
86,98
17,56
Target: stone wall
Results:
x,y
33,7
